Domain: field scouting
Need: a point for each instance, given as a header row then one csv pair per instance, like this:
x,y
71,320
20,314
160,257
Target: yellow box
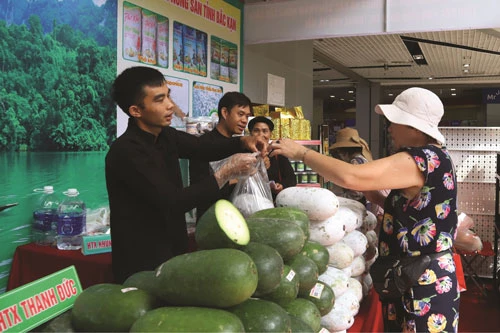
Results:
x,y
261,110
295,129
285,128
305,129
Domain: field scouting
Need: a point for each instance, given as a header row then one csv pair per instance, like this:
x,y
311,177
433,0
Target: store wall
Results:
x,y
493,115
290,60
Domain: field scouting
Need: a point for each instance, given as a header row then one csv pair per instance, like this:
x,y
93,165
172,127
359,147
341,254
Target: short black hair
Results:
x,y
232,99
261,119
128,87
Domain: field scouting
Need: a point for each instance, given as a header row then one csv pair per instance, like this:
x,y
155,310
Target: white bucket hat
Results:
x,y
418,108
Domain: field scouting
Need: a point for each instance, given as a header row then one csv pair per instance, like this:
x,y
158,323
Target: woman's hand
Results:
x,y
287,148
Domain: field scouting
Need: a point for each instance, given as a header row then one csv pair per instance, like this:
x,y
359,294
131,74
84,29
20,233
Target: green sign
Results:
x,y
29,306
96,244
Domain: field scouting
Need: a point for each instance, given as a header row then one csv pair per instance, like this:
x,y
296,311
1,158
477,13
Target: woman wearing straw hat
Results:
x,y
419,213
349,147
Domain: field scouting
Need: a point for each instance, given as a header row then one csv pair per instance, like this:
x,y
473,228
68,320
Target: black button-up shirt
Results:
x,y
146,194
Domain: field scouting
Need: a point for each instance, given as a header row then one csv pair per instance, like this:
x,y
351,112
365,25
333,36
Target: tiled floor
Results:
x,y
479,313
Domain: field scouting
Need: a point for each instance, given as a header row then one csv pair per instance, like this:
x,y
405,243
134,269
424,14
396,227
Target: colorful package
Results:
x,y
131,31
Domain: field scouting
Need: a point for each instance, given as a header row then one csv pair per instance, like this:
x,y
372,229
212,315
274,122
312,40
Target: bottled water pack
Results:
x,y
71,221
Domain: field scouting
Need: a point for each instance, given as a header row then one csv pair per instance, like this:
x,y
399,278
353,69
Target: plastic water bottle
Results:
x,y
71,221
44,227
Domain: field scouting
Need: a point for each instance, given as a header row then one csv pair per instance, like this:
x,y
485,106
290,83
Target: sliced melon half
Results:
x,y
222,226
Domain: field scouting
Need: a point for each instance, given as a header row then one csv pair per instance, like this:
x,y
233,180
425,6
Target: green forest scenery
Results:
x,y
57,63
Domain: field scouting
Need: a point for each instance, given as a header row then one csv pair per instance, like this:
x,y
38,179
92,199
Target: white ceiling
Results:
x,y
385,59
339,63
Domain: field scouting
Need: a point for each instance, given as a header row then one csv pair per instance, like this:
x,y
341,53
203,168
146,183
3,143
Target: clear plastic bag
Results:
x,y
466,239
253,193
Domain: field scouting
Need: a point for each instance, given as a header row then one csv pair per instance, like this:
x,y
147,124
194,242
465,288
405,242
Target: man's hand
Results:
x,y
255,144
277,188
237,166
267,162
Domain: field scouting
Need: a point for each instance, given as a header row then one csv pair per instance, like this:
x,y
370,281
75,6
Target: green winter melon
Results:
x,y
109,307
290,214
145,280
59,324
318,253
306,311
221,226
287,290
269,266
286,237
322,296
299,326
260,315
306,269
188,319
213,278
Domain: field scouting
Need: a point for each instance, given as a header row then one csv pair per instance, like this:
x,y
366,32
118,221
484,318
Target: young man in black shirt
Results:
x,y
234,109
143,177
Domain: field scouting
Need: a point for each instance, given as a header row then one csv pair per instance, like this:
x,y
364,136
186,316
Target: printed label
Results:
x,y
290,275
317,290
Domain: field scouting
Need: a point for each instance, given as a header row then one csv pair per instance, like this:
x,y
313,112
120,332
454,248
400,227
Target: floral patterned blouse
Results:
x,y
421,225
426,223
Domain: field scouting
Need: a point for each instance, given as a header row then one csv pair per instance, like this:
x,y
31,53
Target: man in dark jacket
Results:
x,y
234,108
143,177
279,169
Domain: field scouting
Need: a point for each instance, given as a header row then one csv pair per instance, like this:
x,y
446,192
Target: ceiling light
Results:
x,y
430,78
466,70
466,65
418,57
453,94
341,99
390,94
332,96
453,89
351,100
351,91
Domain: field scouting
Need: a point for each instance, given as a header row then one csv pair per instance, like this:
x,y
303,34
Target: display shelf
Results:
x,y
309,142
496,270
474,154
317,147
308,184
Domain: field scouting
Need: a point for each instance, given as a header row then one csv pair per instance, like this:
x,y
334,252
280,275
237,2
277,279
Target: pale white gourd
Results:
x,y
372,238
337,320
336,279
357,266
356,287
326,232
341,255
348,300
355,206
369,222
318,203
346,217
357,241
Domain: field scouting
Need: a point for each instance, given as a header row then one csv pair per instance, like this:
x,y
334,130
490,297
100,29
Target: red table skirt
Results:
x,y
32,262
369,317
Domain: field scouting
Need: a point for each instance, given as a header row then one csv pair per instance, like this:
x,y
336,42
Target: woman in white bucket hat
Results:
x,y
420,213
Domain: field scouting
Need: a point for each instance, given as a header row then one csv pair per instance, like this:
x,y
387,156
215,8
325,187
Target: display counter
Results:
x,y
369,317
32,261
